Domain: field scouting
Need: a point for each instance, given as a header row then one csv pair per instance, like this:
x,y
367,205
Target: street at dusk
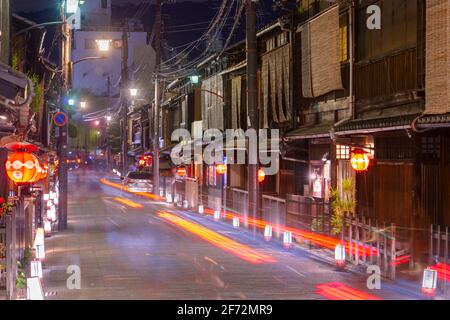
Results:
x,y
221,158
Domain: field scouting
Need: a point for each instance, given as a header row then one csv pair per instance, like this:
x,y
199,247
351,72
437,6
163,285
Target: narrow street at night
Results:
x,y
131,253
225,158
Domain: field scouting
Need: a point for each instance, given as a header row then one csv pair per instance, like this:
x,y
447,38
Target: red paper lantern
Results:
x,y
221,169
21,167
181,171
360,160
261,175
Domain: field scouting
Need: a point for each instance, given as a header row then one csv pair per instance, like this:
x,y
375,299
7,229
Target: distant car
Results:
x,y
138,181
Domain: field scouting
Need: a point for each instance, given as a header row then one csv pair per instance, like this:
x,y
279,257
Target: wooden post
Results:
x,y
378,245
364,239
350,239
438,244
385,250
430,258
357,241
446,258
393,253
370,245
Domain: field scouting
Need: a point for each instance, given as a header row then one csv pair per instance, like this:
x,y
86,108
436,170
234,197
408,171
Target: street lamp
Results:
x,y
83,104
71,102
108,118
103,44
194,79
133,92
97,122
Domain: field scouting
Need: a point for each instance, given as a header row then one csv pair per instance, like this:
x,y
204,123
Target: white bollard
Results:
x,y
339,255
217,215
161,193
168,198
36,268
47,228
429,282
287,239
185,204
268,232
201,209
235,222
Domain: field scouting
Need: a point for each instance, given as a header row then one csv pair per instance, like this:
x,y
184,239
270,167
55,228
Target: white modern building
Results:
x,y
92,74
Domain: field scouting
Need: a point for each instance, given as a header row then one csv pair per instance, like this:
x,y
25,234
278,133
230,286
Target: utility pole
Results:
x,y
252,67
63,131
108,106
124,92
157,99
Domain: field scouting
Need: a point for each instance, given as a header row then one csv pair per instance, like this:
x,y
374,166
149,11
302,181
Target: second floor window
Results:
x,y
343,38
270,44
104,4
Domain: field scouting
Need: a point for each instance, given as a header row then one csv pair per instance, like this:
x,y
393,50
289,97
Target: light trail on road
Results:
x,y
317,239
129,203
339,291
244,252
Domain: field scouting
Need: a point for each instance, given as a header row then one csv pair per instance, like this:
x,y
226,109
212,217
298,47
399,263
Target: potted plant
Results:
x,y
5,207
343,202
21,281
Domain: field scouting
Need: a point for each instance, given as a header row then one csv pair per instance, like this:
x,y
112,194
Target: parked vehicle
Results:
x,y
138,181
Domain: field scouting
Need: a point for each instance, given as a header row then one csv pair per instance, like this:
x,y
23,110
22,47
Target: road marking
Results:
x,y
112,221
211,260
295,271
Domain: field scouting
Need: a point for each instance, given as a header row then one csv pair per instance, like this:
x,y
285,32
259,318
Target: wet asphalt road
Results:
x,y
133,253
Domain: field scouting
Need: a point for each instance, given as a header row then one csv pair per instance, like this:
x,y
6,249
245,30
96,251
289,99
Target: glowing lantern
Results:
x,y
21,167
221,169
360,160
181,171
261,175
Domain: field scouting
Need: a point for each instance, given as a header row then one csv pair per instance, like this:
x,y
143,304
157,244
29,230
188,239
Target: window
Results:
x,y
270,44
431,148
104,4
282,39
343,38
342,152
